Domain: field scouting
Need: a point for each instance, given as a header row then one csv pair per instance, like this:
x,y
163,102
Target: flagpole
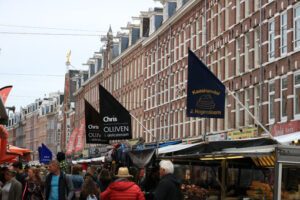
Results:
x,y
260,124
142,125
205,32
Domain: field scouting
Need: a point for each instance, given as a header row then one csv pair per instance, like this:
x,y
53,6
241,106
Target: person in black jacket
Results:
x,y
169,185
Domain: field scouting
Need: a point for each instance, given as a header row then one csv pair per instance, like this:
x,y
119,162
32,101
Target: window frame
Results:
x,y
282,28
296,115
283,118
271,93
297,6
271,31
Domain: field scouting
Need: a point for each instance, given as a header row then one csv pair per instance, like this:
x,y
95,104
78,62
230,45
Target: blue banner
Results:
x,y
46,155
205,93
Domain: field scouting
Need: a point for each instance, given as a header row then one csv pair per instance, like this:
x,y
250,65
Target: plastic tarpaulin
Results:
x,y
288,137
141,158
220,145
173,148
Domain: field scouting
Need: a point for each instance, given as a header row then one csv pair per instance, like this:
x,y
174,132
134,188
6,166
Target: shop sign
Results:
x,y
85,153
97,150
216,137
68,130
285,128
58,138
242,134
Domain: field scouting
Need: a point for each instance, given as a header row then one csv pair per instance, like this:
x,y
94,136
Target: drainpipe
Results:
x,y
156,99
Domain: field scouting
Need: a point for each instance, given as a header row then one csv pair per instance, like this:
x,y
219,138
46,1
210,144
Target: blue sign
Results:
x,y
205,93
46,154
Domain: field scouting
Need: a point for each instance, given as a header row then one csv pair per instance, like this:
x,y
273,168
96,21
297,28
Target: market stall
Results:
x,y
258,168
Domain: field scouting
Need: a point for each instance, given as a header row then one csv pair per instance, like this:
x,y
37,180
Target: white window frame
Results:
x,y
238,11
247,45
237,111
296,86
271,93
271,33
219,18
295,28
226,14
256,48
283,118
237,57
212,34
247,104
226,67
283,30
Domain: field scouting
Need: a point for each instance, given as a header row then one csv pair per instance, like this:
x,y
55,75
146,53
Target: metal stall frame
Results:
x,y
285,156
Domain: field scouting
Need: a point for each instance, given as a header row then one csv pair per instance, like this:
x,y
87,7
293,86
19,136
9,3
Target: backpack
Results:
x,y
91,197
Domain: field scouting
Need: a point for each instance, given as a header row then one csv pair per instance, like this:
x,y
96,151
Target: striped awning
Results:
x,y
265,161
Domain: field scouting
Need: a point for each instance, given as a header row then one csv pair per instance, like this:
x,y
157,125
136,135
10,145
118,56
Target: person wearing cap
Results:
x,y
169,187
20,175
122,188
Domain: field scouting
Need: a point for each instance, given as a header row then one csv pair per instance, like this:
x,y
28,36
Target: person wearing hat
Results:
x,y
122,188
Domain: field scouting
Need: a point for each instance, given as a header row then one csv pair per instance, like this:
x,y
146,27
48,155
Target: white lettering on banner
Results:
x,y
94,135
113,135
116,129
91,126
110,119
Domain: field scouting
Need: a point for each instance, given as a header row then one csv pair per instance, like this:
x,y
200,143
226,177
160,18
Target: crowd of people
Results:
x,y
58,181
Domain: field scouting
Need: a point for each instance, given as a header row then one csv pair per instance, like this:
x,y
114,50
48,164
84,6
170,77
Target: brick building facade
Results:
x,y
252,46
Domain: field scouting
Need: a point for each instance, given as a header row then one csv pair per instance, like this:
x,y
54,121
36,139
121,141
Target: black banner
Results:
x,y
92,126
205,93
115,120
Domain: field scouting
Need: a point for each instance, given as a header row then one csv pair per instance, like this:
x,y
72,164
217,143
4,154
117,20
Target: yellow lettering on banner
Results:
x,y
208,112
206,91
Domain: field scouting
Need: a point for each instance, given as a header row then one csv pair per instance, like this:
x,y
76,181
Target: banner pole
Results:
x,y
142,126
262,126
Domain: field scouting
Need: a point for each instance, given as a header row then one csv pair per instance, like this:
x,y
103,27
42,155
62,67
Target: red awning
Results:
x,y
24,153
7,158
10,153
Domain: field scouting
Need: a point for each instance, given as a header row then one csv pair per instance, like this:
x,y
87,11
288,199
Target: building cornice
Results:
x,y
172,20
87,82
127,51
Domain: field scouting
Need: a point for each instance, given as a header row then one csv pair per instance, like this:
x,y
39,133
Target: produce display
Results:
x,y
260,190
194,192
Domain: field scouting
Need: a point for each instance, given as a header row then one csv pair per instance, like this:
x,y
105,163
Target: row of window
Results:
x,y
284,98
283,33
180,122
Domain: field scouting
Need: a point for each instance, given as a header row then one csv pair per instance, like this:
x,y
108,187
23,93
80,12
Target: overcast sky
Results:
x,y
35,63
